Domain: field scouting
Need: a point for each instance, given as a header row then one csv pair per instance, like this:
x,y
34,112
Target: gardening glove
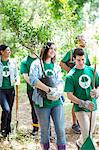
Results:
x,y
54,94
94,93
86,104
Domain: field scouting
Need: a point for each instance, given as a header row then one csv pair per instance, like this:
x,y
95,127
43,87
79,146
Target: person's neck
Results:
x,y
79,67
33,55
4,58
48,60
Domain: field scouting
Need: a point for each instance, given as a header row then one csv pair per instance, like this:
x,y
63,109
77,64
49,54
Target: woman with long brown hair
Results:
x,y
51,104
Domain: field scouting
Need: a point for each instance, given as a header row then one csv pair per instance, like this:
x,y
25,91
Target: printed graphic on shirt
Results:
x,y
6,71
84,81
49,72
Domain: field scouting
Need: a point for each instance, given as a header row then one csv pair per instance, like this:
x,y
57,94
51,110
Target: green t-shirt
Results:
x,y
25,68
49,71
67,59
6,84
80,82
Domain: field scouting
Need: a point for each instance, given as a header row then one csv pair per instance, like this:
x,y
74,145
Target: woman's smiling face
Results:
x,y
52,51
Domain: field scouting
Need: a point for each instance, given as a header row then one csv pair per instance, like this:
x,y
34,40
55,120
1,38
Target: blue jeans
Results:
x,y
6,101
57,114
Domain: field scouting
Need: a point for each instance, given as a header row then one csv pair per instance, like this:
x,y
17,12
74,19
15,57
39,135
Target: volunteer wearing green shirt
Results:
x,y
24,69
8,76
78,84
50,105
67,63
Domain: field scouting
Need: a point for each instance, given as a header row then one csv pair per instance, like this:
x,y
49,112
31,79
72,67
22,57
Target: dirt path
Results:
x,y
25,141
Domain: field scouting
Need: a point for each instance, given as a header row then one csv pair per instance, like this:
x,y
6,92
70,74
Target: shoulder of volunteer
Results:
x,y
56,65
13,60
66,56
24,60
89,68
36,62
71,72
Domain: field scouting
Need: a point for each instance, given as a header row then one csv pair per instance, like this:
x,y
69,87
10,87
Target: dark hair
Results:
x,y
45,50
78,52
3,47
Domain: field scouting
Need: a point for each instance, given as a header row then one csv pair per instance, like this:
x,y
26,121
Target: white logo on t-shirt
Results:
x,y
84,81
6,71
49,72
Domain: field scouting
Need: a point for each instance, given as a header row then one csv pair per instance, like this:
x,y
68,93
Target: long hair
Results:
x,y
44,52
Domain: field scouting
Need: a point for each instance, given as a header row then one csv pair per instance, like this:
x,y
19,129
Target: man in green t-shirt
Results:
x,y
78,84
67,63
24,69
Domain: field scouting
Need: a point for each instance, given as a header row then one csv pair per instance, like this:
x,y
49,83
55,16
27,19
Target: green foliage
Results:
x,y
13,15
22,79
33,23
56,8
25,32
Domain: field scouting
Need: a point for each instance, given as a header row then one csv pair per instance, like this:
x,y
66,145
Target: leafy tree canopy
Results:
x,y
33,23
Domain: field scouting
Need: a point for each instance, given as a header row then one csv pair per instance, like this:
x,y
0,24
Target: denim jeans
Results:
x,y
6,101
57,114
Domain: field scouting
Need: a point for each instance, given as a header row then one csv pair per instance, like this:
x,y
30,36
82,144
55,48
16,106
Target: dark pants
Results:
x,y
6,101
33,113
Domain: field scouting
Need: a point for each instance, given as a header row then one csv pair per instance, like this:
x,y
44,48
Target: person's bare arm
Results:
x,y
39,84
26,78
82,104
73,98
64,66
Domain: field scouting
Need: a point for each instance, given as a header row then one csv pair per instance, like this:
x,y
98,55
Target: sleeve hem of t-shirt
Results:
x,y
68,91
63,61
24,72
